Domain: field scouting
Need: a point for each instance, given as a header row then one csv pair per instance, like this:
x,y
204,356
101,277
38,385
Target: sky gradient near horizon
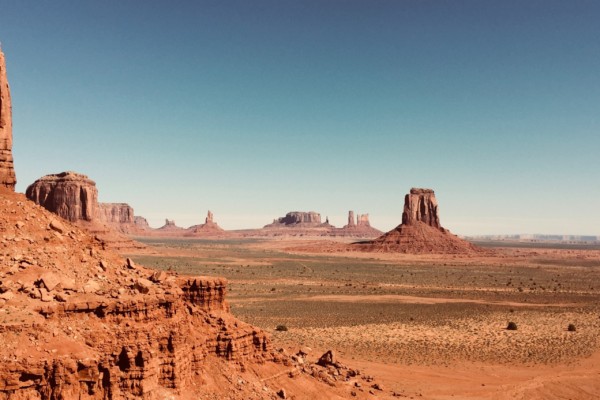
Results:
x,y
255,108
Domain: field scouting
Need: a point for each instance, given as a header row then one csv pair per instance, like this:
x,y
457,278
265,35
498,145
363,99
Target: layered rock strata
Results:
x,y
296,218
7,172
71,195
78,321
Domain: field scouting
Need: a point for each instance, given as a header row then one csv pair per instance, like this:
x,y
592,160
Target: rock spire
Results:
x,y
7,171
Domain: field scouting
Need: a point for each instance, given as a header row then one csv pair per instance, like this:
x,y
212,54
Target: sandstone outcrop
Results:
x,y
350,219
296,218
208,229
359,227
170,226
120,217
115,213
141,223
362,220
78,321
7,172
420,231
420,205
71,195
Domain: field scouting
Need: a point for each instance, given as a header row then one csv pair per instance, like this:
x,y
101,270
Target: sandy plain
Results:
x,y
425,326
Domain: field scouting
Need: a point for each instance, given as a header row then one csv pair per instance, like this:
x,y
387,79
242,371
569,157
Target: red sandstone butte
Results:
x,y
71,195
420,231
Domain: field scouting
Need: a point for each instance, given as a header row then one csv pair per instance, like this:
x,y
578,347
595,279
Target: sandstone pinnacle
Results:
x,y
7,171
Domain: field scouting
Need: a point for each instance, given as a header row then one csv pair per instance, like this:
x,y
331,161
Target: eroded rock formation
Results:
x,y
350,219
421,205
7,172
141,222
81,322
208,229
362,220
71,195
170,226
420,231
358,227
115,213
295,218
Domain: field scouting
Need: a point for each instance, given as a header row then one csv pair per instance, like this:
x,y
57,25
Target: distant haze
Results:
x,y
255,108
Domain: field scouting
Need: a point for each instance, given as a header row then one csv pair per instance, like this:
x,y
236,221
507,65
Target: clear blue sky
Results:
x,y
255,108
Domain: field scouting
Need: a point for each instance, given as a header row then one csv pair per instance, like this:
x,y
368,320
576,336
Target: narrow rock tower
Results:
x,y
7,170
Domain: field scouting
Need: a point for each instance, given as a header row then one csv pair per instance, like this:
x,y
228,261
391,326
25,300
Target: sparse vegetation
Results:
x,y
512,326
281,328
571,328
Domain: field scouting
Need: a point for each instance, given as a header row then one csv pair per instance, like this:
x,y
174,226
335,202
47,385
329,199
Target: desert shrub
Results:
x,y
511,326
571,328
281,328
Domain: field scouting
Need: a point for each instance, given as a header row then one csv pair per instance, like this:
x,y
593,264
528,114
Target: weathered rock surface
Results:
x,y
71,195
141,222
115,213
121,218
7,172
420,205
80,323
420,231
295,218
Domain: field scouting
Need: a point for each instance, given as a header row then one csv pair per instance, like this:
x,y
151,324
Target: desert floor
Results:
x,y
427,326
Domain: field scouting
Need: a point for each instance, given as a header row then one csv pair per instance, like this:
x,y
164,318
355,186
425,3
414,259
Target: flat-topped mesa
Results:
x,y
115,213
421,205
7,171
71,195
298,218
